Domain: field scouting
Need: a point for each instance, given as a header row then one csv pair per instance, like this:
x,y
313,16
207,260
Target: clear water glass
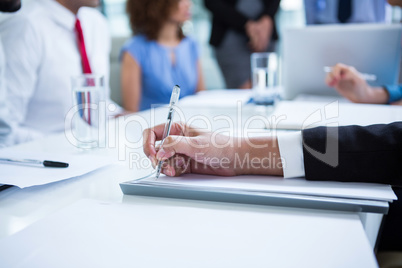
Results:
x,y
264,67
89,119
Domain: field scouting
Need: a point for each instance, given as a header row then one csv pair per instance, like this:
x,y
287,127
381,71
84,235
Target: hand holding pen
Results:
x,y
352,85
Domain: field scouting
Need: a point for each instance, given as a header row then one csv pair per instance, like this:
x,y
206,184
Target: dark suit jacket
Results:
x,y
225,16
366,154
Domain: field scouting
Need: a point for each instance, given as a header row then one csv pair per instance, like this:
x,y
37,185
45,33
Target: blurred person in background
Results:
x,y
5,124
349,11
346,11
158,56
47,43
239,28
349,83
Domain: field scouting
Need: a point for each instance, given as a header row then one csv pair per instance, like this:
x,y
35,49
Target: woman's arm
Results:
x,y
200,83
130,83
350,84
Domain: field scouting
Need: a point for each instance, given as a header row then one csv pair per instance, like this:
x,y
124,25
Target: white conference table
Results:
x,y
155,232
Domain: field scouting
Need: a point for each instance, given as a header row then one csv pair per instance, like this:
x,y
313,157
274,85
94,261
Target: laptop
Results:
x,y
370,48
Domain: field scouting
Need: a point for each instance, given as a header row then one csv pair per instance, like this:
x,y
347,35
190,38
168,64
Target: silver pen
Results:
x,y
174,98
367,77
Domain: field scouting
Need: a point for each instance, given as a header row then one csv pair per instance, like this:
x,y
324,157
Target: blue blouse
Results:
x,y
395,92
159,75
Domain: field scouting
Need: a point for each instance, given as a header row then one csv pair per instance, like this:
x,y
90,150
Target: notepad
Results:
x,y
268,190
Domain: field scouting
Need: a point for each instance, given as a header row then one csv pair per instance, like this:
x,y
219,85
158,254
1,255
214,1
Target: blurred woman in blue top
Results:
x,y
159,56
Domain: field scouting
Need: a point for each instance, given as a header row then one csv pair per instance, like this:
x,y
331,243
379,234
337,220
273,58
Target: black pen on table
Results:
x,y
45,163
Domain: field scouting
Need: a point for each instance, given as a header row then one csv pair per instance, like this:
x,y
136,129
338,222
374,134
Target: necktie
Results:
x,y
344,10
86,67
84,99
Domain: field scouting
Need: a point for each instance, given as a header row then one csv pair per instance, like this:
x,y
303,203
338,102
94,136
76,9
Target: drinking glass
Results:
x,y
89,119
264,67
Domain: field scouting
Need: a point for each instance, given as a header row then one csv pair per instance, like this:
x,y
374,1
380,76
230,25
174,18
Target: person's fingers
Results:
x,y
259,45
352,75
167,170
256,43
182,165
342,73
339,70
157,131
176,166
149,139
330,80
250,29
151,135
172,145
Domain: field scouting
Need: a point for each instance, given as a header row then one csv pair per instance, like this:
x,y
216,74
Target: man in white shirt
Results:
x,y
5,129
42,55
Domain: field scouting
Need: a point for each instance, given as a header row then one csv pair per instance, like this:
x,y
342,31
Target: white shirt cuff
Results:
x,y
291,150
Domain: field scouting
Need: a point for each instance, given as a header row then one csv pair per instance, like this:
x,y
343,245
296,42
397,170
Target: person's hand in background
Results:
x,y
259,33
349,83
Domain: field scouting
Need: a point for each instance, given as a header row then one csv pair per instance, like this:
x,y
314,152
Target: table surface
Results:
x,y
156,232
318,237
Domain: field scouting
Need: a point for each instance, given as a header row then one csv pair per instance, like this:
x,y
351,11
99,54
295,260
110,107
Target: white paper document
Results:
x,y
271,184
30,175
307,114
217,98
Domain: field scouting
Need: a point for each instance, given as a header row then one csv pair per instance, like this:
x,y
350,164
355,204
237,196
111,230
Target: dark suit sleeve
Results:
x,y
271,7
226,14
363,154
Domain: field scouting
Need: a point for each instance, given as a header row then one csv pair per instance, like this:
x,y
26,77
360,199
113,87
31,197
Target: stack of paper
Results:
x,y
268,190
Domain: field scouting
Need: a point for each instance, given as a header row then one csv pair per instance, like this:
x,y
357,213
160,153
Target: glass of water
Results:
x,y
264,67
89,119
